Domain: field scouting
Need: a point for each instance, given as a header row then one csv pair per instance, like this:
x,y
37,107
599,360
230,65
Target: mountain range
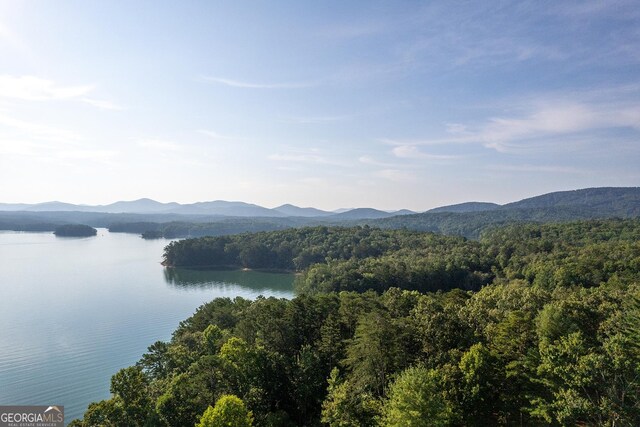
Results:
x,y
214,208
222,217
591,197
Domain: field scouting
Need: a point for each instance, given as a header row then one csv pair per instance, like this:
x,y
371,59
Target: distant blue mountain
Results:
x,y
361,213
466,207
588,202
137,206
291,210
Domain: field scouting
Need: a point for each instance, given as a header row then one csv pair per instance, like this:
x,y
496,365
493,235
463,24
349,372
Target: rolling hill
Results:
x,y
466,207
222,217
589,203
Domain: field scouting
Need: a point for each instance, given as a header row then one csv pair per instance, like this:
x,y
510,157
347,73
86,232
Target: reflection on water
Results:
x,y
74,311
187,279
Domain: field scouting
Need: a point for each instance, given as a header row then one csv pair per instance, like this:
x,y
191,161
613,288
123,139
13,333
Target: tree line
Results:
x,y
360,258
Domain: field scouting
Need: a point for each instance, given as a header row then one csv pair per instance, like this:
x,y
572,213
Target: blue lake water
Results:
x,y
73,311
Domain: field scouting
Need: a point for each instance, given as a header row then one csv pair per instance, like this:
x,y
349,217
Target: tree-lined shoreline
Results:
x,y
550,338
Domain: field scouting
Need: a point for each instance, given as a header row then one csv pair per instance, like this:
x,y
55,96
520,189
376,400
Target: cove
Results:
x,y
76,310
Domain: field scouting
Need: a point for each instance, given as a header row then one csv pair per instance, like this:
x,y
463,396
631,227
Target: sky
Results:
x,y
332,104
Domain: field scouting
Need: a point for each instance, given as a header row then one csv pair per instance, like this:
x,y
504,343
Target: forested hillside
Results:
x,y
469,220
589,203
362,258
551,339
336,259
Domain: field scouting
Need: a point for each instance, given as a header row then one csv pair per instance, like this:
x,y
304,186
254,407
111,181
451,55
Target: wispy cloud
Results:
x,y
95,155
368,160
30,88
413,152
105,105
503,134
218,136
309,156
38,131
435,40
159,145
430,141
315,119
537,123
55,151
254,85
528,168
298,158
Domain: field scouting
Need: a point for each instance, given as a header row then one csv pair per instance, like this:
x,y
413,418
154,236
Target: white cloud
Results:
x,y
547,121
537,168
215,135
106,105
552,119
431,141
456,128
95,155
159,145
54,151
315,119
38,131
301,158
413,152
30,88
212,134
308,156
538,123
253,85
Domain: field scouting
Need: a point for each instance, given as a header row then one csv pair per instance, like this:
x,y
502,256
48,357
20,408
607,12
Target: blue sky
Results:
x,y
327,104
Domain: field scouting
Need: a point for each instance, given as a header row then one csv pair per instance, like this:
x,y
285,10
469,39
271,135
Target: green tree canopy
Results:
x,y
416,399
229,411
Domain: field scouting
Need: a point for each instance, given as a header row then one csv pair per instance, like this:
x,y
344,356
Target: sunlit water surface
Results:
x,y
73,311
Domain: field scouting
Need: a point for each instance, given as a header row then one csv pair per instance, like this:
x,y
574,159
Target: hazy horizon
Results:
x,y
390,105
286,203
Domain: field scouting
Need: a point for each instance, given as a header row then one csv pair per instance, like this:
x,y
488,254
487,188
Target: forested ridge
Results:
x,y
361,258
531,325
469,219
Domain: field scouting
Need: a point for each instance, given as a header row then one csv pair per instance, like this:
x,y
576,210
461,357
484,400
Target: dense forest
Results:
x,y
362,258
530,325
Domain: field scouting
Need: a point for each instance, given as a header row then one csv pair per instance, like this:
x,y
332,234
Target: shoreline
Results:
x,y
231,268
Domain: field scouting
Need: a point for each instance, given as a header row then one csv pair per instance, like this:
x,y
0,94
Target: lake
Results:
x,y
76,310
